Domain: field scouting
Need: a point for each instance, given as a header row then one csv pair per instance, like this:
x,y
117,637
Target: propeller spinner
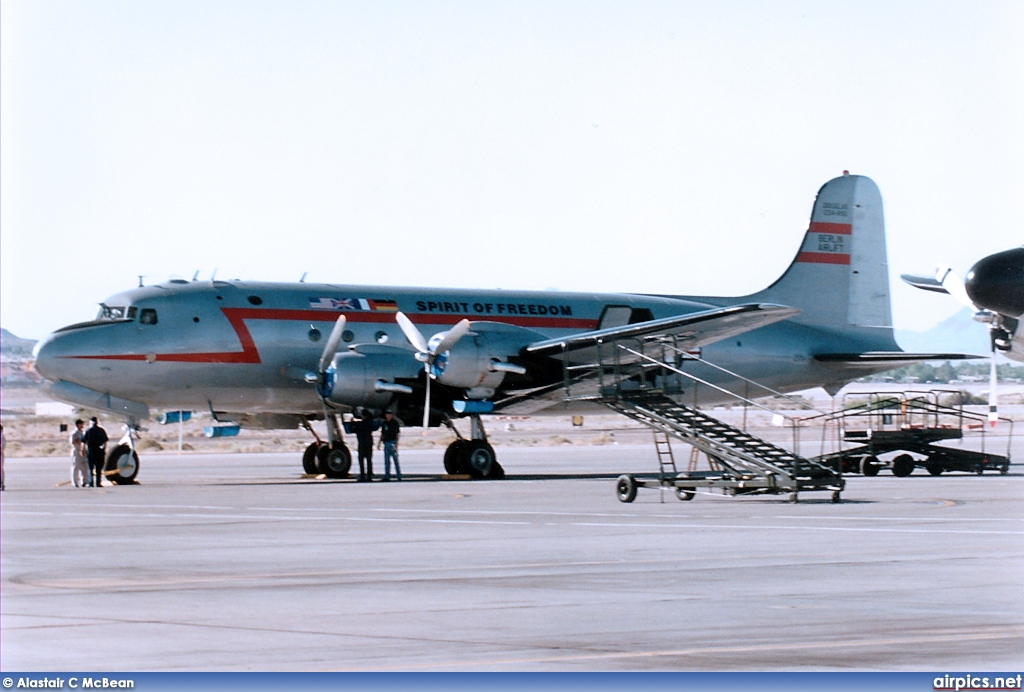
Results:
x,y
429,351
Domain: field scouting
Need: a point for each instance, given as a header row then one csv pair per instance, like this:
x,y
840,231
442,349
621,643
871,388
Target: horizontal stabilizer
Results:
x,y
691,331
926,283
873,359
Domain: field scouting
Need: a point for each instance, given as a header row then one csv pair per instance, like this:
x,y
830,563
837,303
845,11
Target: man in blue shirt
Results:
x,y
389,432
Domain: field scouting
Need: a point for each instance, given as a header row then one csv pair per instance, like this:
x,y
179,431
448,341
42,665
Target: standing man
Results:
x,y
363,428
95,439
389,432
78,464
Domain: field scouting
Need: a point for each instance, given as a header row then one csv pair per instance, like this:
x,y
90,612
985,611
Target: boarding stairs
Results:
x,y
748,464
645,388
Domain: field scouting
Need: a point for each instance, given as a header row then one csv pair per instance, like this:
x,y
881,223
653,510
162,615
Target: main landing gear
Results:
x,y
474,457
330,458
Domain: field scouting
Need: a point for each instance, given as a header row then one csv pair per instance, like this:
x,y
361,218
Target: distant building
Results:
x,y
54,409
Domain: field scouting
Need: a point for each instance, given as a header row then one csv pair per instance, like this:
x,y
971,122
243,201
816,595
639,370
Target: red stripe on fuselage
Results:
x,y
823,258
825,227
250,354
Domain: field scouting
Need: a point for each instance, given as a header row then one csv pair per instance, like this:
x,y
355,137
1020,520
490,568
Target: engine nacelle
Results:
x,y
365,376
479,359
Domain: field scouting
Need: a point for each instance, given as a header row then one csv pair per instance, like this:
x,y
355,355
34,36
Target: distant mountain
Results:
x,y
959,334
11,345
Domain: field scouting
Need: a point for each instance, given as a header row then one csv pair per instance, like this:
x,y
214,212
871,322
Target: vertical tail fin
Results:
x,y
840,276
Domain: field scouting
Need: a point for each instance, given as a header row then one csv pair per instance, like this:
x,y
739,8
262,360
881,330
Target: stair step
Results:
x,y
695,426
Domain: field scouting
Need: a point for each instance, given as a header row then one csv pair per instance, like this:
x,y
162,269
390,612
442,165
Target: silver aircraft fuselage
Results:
x,y
237,346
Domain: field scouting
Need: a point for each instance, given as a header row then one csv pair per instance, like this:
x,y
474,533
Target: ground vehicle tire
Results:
x,y
334,461
869,466
685,494
479,459
454,458
903,465
934,468
125,462
309,459
625,488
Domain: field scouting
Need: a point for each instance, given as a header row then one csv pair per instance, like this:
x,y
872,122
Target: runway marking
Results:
x,y
320,511
487,522
519,569
1004,633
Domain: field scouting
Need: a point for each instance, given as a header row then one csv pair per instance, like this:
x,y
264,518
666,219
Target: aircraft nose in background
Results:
x,y
997,283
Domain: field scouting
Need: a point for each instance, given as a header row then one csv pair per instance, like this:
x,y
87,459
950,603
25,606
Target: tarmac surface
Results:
x,y
235,562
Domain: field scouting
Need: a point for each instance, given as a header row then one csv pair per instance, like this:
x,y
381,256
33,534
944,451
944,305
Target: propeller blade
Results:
x,y
331,347
426,403
954,285
414,335
453,335
993,401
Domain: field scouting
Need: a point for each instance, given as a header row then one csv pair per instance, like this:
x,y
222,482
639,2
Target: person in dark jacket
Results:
x,y
95,439
363,427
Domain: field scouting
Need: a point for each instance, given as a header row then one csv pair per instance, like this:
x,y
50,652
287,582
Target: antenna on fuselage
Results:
x,y
213,275
196,275
303,279
140,280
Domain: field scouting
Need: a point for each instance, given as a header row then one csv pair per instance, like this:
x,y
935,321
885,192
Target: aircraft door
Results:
x,y
621,315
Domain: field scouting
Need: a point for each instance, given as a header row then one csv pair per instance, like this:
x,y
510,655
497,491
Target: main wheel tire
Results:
x,y
479,459
625,488
685,494
903,466
334,461
122,465
934,468
869,466
309,459
454,458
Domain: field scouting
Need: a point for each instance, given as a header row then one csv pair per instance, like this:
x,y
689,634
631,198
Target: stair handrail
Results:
x,y
667,366
689,356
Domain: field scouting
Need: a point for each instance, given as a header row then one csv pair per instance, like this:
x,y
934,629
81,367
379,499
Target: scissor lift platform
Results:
x,y
911,423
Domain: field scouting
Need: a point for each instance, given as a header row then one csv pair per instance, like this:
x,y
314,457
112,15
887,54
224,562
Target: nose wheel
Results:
x,y
122,465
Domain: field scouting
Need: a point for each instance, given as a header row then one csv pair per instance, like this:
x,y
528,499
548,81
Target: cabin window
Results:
x,y
132,312
147,316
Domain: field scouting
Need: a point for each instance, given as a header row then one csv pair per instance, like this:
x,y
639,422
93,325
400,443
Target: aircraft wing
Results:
x,y
689,331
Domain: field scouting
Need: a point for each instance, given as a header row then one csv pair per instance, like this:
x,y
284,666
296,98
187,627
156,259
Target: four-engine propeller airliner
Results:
x,y
280,355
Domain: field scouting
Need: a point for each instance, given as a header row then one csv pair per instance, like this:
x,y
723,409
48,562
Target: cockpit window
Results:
x,y
115,313
147,316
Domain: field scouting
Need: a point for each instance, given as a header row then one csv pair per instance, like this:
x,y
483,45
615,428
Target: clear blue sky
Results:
x,y
667,147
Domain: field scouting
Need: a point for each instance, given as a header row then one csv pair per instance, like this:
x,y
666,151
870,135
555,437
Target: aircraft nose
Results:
x,y
46,357
996,283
